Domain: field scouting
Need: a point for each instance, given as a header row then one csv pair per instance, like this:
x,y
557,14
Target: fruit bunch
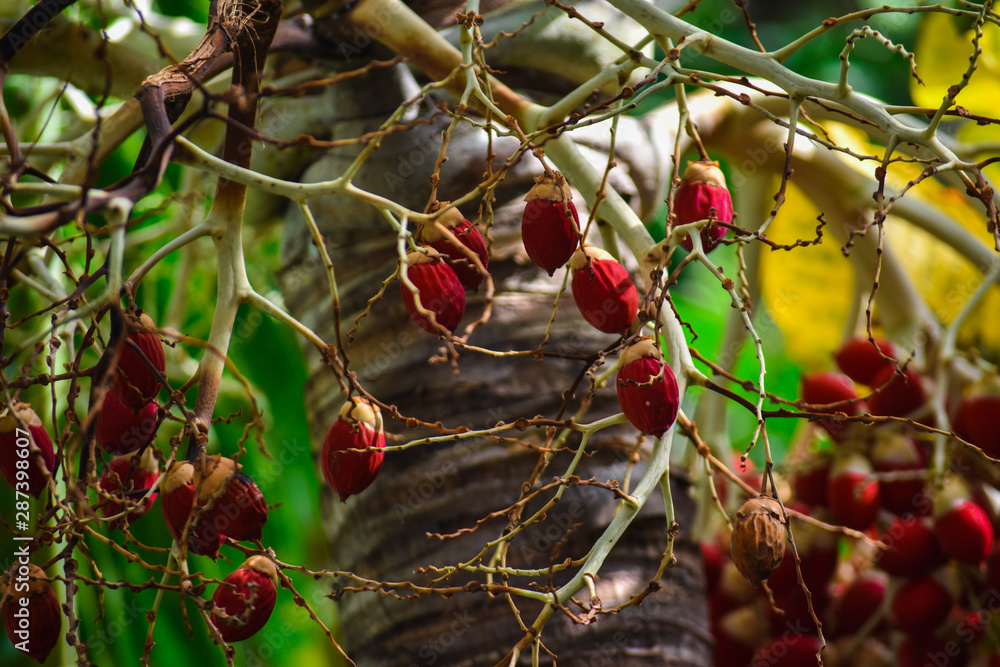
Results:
x,y
209,500
128,416
916,589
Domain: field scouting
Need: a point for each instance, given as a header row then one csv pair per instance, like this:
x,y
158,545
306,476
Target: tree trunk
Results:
x,y
383,533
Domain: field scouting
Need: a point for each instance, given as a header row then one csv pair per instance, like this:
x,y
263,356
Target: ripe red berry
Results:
x,y
122,430
247,598
788,651
136,383
852,493
733,591
860,361
26,455
976,422
928,650
457,257
603,290
230,504
125,481
647,389
31,615
896,452
964,531
442,297
825,388
860,601
550,226
736,635
913,548
358,426
920,605
233,503
818,553
712,560
809,484
703,195
900,395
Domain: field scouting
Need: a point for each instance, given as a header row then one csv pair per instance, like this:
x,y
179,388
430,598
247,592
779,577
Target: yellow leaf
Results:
x,y
942,55
808,290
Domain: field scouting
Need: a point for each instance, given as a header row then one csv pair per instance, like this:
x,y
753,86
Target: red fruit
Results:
x,y
647,389
442,297
852,494
788,651
964,531
794,611
736,634
702,195
913,548
233,505
358,426
993,569
976,422
31,616
860,601
603,291
126,482
809,484
122,430
860,361
899,396
920,605
136,383
818,553
896,452
712,560
930,651
733,591
550,226
821,389
26,455
247,598
469,240
177,499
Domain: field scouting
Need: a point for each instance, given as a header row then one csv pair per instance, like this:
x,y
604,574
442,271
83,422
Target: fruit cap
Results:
x,y
550,188
645,348
590,253
426,255
263,565
450,219
705,171
213,474
181,473
359,411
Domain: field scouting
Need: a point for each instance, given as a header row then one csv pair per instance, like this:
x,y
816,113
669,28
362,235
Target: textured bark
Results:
x,y
382,533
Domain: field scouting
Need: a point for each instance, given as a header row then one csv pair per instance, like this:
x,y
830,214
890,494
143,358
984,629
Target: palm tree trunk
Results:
x,y
385,533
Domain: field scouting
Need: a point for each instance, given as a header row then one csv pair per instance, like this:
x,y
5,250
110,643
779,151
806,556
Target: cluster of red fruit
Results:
x,y
928,598
210,499
442,270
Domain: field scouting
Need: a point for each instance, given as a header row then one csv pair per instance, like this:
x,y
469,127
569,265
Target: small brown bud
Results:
x,y
758,538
